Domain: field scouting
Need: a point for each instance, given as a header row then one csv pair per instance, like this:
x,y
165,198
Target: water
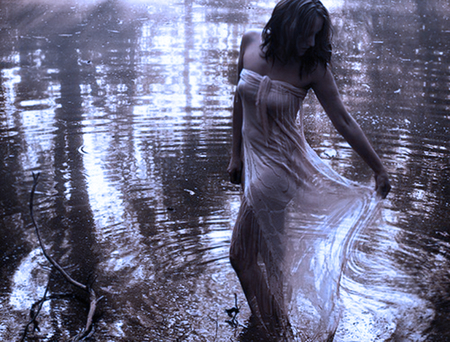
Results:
x,y
125,109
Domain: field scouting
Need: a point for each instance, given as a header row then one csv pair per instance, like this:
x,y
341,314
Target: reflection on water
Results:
x,y
125,109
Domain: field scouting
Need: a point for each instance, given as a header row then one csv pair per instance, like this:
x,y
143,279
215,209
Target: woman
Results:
x,y
285,183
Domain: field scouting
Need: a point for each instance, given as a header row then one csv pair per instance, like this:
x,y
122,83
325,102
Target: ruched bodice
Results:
x,y
271,96
272,128
271,105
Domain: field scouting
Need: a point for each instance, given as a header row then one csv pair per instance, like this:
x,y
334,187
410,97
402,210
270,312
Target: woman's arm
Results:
x,y
326,91
236,162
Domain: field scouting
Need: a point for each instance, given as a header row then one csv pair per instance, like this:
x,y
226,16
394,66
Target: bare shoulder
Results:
x,y
320,74
251,37
250,42
325,88
322,80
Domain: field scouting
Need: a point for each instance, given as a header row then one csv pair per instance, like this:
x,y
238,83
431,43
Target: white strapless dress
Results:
x,y
306,213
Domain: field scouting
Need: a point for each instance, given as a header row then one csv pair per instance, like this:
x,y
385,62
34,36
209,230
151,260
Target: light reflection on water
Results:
x,y
125,108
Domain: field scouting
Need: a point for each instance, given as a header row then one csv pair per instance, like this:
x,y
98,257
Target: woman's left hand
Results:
x,y
235,170
382,185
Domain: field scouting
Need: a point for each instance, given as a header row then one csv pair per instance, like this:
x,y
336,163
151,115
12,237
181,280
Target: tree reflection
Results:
x,y
90,63
126,111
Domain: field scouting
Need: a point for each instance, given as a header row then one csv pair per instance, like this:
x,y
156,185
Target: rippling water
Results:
x,y
125,109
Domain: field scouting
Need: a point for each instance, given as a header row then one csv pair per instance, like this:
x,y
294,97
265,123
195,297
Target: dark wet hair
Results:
x,y
290,21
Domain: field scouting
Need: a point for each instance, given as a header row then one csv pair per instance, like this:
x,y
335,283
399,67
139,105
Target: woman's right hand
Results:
x,y
235,170
382,185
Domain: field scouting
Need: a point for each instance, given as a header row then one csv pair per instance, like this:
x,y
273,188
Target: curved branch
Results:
x,y
47,256
93,300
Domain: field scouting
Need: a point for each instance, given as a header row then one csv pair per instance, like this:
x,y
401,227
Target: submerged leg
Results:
x,y
272,253
245,246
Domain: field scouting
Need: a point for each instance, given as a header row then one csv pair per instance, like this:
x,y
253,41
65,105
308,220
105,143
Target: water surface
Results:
x,y
125,109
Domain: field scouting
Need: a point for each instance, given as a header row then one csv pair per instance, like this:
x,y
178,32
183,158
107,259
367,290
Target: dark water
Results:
x,y
125,109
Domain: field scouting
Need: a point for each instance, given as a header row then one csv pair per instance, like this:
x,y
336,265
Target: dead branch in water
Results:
x,y
93,300
232,313
33,314
36,308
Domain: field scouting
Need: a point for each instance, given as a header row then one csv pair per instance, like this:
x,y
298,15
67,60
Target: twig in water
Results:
x,y
217,325
47,256
93,300
232,313
34,315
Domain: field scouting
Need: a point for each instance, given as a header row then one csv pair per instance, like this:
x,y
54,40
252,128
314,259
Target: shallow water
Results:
x,y
125,109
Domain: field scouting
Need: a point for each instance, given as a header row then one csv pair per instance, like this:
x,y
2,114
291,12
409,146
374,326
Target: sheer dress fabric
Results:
x,y
305,214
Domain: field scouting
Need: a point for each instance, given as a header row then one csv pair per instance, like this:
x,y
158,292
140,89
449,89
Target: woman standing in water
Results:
x,y
293,204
